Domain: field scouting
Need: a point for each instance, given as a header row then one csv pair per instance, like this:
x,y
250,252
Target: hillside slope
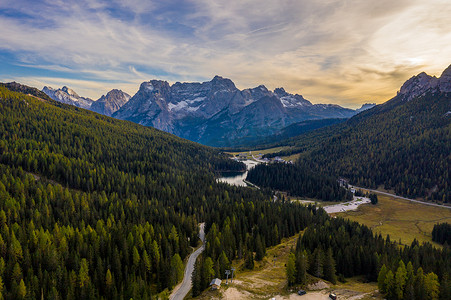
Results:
x,y
403,144
93,207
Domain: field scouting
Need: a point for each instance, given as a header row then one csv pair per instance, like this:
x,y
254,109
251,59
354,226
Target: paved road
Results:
x,y
182,290
408,199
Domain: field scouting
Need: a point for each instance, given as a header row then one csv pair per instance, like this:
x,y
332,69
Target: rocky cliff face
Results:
x,y
219,114
110,103
419,84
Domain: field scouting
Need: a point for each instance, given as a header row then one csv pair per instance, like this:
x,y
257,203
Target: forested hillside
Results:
x,y
95,207
403,146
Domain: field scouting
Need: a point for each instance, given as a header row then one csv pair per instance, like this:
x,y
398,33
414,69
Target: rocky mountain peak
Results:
x,y
154,86
69,91
445,80
419,84
280,92
219,82
111,102
446,73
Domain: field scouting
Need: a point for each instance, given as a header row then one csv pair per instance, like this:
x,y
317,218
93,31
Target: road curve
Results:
x,y
182,290
404,198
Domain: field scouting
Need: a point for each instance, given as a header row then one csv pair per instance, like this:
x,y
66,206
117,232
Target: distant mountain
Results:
x,y
110,103
365,106
106,105
68,96
219,114
403,144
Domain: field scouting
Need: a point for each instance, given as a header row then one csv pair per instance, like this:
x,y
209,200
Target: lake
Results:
x,y
237,178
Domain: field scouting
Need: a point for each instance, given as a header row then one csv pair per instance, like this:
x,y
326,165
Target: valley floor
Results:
x,y
402,219
268,280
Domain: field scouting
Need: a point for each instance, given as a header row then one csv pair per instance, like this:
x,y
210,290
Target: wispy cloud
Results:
x,y
345,52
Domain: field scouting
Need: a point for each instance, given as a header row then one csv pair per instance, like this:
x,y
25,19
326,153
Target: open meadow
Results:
x,y
401,219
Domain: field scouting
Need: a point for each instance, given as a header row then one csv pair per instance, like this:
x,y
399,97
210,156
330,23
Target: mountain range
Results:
x,y
213,113
106,105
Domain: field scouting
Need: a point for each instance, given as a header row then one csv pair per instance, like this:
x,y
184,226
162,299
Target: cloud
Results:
x,y
346,52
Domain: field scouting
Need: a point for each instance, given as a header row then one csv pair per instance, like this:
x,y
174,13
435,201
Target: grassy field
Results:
x,y
401,219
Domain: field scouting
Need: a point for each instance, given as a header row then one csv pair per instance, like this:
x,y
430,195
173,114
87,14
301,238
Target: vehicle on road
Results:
x,y
333,296
301,292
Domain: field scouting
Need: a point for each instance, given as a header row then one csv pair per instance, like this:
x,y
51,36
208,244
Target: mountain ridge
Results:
x,y
217,113
214,113
106,104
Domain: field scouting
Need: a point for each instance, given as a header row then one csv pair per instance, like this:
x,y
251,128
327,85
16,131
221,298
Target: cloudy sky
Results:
x,y
331,51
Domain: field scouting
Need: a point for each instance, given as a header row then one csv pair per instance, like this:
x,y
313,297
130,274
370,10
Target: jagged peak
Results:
x,y
280,91
69,91
150,86
446,73
48,88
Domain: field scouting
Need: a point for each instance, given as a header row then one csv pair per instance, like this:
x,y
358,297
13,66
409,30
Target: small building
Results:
x,y
215,284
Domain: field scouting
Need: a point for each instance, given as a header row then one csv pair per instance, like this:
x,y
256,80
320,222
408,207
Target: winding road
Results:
x,y
182,290
400,197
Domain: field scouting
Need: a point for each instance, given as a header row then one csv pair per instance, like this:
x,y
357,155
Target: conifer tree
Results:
x,y
317,263
432,286
400,280
390,285
301,266
291,269
420,290
381,279
329,267
259,248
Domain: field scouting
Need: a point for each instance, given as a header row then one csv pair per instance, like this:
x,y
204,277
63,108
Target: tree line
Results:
x,y
298,181
441,233
340,248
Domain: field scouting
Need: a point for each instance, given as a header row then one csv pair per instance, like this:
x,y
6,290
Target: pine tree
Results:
x,y
176,269
108,279
301,266
390,285
207,272
291,269
420,290
224,264
197,279
432,286
249,263
409,292
381,280
21,290
329,267
317,263
259,248
83,275
400,280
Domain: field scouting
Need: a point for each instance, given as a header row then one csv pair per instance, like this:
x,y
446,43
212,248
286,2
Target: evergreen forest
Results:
x,y
401,146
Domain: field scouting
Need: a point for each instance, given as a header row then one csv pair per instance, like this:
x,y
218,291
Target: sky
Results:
x,y
346,52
